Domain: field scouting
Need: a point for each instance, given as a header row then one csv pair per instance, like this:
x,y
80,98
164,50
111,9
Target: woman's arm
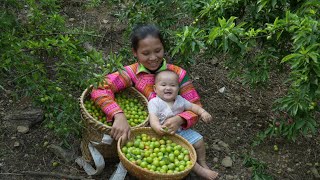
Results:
x,y
187,118
104,94
188,92
104,97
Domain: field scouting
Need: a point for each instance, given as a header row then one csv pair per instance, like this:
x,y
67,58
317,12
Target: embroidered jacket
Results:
x,y
138,76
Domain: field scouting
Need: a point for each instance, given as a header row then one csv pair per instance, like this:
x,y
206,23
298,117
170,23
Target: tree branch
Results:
x,y
53,174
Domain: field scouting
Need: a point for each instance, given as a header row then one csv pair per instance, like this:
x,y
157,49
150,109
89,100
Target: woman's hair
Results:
x,y
141,31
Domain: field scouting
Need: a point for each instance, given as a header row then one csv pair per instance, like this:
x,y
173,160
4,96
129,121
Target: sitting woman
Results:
x,y
148,48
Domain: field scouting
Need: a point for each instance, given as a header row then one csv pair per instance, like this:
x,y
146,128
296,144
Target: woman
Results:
x,y
148,48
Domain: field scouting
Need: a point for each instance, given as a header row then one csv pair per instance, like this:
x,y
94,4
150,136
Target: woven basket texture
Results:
x,y
94,129
145,174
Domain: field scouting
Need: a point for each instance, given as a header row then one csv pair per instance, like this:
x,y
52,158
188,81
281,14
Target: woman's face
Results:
x,y
150,52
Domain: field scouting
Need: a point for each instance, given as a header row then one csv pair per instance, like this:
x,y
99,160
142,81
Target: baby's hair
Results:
x,y
156,77
141,31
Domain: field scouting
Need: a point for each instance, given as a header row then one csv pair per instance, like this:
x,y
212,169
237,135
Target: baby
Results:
x,y
167,104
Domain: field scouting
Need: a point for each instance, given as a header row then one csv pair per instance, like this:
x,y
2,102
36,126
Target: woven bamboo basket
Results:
x,y
94,129
145,174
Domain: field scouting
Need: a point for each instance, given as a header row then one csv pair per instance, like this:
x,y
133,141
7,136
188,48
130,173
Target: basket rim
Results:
x,y
93,120
187,170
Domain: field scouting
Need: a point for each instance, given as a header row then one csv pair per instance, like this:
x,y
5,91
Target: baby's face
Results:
x,y
167,86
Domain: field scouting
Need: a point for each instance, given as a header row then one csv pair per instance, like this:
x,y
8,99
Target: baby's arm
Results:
x,y
154,120
205,116
155,124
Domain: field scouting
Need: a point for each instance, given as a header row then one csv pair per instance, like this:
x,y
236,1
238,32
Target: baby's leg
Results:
x,y
204,172
201,168
201,153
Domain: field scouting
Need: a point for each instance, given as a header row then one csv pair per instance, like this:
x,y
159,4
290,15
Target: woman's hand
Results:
x,y
173,124
120,127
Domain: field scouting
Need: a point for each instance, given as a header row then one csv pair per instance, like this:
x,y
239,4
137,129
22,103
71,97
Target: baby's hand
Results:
x,y
165,130
206,117
159,130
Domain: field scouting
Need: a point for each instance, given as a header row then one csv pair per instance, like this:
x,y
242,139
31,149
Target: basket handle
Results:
x,y
98,161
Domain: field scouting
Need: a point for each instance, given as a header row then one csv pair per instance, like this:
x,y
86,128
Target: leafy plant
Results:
x,y
187,44
258,168
253,48
254,39
92,3
46,61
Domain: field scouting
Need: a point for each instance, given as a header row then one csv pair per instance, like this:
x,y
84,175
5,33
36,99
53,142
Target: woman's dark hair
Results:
x,y
142,31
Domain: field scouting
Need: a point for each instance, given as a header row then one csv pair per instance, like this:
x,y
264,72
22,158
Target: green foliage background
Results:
x,y
254,39
44,59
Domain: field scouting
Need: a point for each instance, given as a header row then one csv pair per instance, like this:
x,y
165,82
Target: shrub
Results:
x,y
43,59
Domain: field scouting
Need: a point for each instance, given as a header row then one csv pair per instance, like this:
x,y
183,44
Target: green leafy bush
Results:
x,y
254,39
43,59
258,168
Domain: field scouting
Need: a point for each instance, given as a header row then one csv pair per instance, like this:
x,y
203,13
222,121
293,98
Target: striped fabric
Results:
x,y
190,135
143,81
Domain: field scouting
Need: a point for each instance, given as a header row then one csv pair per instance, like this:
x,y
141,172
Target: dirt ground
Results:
x,y
239,114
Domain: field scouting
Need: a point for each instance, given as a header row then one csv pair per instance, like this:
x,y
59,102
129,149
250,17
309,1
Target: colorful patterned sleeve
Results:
x,y
104,95
188,92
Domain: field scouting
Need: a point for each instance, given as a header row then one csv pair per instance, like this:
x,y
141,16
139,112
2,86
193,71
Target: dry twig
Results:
x,y
53,174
